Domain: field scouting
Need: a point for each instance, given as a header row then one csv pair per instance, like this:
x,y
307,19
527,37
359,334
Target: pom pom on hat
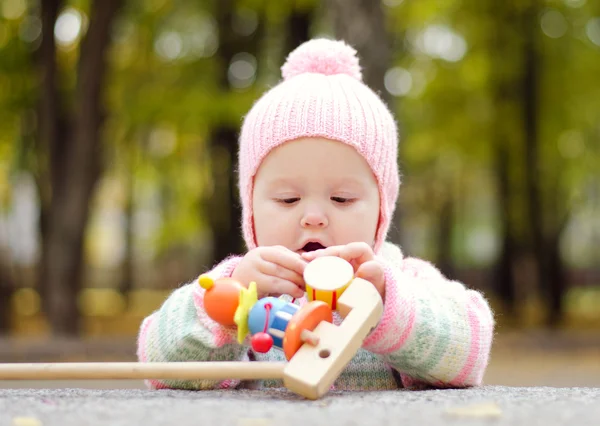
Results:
x,y
322,56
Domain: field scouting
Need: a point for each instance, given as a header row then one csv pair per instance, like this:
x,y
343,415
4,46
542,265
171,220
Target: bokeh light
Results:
x,y
13,9
554,24
30,29
69,27
398,81
439,41
592,29
242,70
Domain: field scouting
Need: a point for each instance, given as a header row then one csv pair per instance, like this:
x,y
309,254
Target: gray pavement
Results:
x,y
495,405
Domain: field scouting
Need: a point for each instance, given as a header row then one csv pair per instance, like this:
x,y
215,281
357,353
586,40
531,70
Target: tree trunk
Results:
x,y
445,224
224,205
557,282
224,209
503,94
298,29
127,267
75,166
504,280
51,133
361,23
530,100
6,291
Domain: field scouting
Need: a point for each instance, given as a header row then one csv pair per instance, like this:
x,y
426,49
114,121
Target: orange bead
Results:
x,y
307,318
221,299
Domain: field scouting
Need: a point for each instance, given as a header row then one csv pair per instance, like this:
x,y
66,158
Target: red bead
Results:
x,y
262,342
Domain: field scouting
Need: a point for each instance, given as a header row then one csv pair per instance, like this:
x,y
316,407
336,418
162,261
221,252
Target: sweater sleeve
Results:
x,y
180,330
433,331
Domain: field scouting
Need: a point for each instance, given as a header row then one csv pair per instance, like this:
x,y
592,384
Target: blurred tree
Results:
x,y
499,145
224,210
71,151
502,44
363,24
552,286
298,26
16,129
6,290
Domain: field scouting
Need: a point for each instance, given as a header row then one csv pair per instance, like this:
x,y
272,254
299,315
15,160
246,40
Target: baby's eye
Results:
x,y
342,200
288,200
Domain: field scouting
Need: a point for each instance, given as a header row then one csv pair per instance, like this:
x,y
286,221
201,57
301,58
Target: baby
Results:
x,y
318,176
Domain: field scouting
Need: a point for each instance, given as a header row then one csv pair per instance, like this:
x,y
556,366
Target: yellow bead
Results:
x,y
206,282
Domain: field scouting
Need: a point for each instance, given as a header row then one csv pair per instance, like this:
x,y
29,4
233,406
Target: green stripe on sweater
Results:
x,y
442,333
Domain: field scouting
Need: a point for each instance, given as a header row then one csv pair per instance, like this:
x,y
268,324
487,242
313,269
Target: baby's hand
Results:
x,y
361,257
275,269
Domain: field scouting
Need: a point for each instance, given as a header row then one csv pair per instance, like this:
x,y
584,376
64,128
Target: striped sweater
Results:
x,y
433,332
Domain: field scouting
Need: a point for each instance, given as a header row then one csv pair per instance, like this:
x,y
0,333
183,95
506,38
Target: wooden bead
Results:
x,y
327,278
306,319
221,298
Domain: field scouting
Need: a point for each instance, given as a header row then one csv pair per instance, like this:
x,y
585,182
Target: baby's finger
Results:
x,y
276,270
276,286
285,258
356,253
373,272
328,251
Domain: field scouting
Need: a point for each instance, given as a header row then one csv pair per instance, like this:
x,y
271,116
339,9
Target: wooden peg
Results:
x,y
309,337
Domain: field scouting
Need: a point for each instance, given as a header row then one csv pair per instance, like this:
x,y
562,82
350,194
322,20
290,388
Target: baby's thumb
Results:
x,y
372,272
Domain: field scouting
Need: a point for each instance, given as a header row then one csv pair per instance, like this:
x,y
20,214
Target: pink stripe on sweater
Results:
x,y
141,353
388,326
228,383
407,330
487,320
152,383
474,352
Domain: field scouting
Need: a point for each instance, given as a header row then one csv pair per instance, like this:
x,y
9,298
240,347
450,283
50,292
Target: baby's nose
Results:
x,y
314,219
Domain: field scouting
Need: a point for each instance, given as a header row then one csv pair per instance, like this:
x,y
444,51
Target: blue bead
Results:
x,y
258,313
280,322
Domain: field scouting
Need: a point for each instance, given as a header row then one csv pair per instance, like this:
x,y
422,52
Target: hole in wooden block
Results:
x,y
324,353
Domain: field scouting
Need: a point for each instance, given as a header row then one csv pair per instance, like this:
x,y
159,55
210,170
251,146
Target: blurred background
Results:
x,y
118,135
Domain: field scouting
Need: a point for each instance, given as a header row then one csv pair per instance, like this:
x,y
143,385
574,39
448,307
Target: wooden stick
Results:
x,y
133,370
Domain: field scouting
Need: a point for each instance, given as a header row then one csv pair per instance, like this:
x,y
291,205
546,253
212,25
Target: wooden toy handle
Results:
x,y
133,370
314,368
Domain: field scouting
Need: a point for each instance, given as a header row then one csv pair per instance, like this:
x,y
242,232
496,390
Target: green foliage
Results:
x,y
17,95
449,116
163,97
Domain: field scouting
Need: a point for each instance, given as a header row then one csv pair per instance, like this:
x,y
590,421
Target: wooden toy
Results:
x,y
221,301
327,278
316,350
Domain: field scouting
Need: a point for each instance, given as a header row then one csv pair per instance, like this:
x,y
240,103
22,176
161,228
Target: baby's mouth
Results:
x,y
312,246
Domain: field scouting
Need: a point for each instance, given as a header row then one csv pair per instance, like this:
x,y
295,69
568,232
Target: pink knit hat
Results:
x,y
321,95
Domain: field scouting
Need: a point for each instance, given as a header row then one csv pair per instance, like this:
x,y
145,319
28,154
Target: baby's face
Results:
x,y
314,192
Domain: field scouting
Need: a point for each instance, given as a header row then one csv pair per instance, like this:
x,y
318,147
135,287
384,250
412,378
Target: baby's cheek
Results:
x,y
273,228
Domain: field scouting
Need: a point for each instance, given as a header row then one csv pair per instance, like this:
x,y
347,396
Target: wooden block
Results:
x,y
314,368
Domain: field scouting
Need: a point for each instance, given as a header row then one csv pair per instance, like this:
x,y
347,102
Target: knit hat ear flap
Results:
x,y
321,95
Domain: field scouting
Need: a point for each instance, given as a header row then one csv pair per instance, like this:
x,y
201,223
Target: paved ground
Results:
x,y
532,379
486,405
536,358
